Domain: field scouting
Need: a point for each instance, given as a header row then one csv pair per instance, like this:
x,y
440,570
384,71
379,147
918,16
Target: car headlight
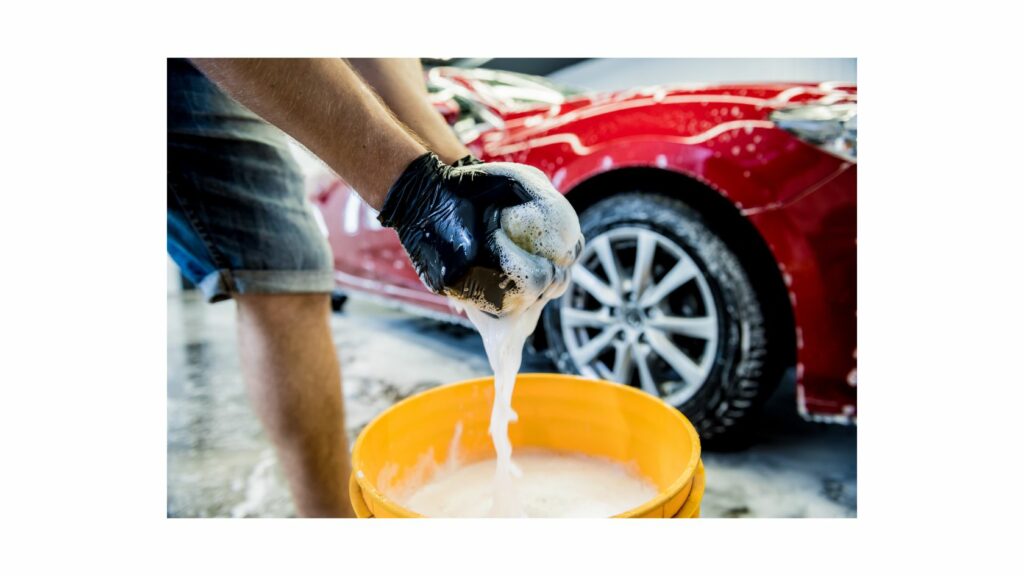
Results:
x,y
831,127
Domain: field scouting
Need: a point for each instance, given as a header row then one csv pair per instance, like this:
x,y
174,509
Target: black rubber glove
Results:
x,y
495,235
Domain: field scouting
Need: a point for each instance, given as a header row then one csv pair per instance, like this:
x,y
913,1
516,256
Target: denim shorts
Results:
x,y
238,220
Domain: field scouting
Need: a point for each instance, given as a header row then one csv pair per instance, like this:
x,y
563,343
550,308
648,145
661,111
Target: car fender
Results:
x,y
764,195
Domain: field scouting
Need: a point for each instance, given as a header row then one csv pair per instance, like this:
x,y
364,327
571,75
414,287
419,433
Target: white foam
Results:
x,y
538,240
547,226
552,485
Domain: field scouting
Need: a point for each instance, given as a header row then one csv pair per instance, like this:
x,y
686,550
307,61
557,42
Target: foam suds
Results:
x,y
536,245
552,485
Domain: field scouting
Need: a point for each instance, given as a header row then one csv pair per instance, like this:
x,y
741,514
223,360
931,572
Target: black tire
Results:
x,y
747,367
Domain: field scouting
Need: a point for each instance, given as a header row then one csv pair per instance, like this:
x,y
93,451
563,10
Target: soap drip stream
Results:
x,y
503,341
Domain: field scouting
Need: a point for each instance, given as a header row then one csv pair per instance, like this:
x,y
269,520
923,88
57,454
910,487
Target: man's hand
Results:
x,y
498,235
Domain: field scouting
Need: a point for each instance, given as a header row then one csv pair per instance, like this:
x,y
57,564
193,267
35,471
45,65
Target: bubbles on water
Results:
x,y
554,484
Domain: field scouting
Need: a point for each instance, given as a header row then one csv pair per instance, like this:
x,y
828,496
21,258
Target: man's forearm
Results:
x,y
400,83
323,104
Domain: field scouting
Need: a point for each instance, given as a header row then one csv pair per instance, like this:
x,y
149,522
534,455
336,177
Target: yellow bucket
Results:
x,y
691,508
556,412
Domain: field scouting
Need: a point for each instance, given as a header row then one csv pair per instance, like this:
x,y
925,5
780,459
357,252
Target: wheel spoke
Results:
x,y
631,297
623,368
609,262
641,354
591,349
688,370
592,284
645,245
593,318
680,274
703,328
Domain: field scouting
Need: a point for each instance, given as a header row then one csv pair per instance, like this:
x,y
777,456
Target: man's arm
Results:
x,y
400,83
324,104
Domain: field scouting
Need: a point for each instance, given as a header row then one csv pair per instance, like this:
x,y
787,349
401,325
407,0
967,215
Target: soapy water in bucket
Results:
x,y
537,483
543,484
552,485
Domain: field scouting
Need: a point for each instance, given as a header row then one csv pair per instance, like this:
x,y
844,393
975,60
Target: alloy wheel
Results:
x,y
639,311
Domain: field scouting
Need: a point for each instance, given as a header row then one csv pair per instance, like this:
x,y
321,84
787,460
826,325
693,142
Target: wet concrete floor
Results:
x,y
220,463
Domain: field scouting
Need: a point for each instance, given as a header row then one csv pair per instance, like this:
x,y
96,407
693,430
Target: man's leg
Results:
x,y
294,382
239,227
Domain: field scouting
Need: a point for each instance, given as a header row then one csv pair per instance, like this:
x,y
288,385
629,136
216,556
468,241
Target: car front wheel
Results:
x,y
660,302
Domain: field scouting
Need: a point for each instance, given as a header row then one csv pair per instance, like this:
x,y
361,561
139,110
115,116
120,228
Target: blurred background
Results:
x,y
622,73
774,137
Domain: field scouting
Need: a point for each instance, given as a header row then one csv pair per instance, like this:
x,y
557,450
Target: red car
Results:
x,y
721,235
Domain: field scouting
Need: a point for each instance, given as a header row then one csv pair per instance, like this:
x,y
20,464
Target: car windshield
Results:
x,y
516,91
521,86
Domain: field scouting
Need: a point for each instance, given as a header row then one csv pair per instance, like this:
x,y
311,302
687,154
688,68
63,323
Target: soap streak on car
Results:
x,y
765,172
